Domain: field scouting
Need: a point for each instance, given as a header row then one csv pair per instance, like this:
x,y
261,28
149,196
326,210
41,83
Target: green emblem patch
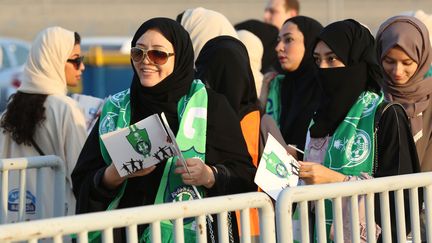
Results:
x,y
275,165
140,141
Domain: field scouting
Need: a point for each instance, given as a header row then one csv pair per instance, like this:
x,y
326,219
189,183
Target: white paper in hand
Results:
x,y
277,169
177,150
91,107
139,146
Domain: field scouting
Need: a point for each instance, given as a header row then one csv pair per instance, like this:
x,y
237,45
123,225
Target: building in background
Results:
x,y
122,17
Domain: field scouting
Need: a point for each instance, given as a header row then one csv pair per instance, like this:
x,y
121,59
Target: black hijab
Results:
x,y
355,46
164,96
223,64
268,34
300,91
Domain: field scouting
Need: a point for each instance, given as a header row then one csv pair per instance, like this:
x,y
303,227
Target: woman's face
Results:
x,y
148,72
290,49
325,57
398,65
74,67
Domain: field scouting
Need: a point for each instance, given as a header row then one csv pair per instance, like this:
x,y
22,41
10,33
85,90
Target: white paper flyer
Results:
x,y
277,169
139,146
91,107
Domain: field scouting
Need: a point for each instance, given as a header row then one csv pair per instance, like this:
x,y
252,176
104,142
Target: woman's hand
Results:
x,y
315,173
200,173
291,151
268,77
112,179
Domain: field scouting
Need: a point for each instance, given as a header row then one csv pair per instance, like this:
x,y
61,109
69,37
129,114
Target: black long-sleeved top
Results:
x,y
397,155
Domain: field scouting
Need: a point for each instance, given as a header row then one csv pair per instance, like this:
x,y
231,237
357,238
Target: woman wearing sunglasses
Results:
x,y
218,160
40,118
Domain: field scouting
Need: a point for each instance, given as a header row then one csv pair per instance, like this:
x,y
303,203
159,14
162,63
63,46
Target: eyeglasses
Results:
x,y
155,56
76,62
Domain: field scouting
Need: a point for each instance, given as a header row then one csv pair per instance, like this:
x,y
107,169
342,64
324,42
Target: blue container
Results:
x,y
102,81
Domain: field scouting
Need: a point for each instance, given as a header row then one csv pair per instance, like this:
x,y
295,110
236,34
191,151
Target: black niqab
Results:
x,y
163,97
223,64
355,46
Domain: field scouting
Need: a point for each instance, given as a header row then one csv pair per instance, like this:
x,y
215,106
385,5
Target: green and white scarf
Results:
x,y
351,149
191,138
273,106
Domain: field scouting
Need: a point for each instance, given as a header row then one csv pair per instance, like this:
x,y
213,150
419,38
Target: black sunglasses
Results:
x,y
155,56
76,61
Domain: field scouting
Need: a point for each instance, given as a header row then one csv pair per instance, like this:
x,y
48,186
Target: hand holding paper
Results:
x,y
177,150
112,179
199,173
316,173
138,146
277,169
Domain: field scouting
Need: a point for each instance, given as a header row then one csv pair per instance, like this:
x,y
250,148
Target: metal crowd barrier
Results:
x,y
22,165
335,191
131,217
57,228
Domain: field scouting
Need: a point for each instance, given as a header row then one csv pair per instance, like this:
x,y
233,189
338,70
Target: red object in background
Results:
x,y
16,82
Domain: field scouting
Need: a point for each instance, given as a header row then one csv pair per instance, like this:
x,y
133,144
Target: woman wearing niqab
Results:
x,y
223,64
354,134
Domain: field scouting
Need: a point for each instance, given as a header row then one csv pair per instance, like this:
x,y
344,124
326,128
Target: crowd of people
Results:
x,y
358,105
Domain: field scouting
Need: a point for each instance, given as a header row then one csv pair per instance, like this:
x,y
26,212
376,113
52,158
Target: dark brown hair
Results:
x,y
292,4
77,38
23,114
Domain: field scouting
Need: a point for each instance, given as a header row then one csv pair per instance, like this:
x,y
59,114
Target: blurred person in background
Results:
x,y
40,119
268,34
216,154
293,97
404,48
427,20
277,12
204,24
423,17
354,134
255,51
